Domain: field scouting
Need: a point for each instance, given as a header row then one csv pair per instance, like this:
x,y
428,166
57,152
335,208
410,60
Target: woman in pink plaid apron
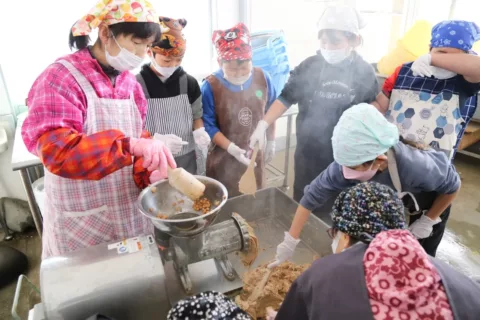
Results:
x,y
85,121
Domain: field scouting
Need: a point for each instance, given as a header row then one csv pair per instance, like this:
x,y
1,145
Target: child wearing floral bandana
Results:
x,y
235,99
85,122
174,113
432,100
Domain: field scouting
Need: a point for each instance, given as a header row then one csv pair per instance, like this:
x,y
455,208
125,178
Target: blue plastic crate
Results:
x,y
267,54
275,64
270,54
266,38
279,80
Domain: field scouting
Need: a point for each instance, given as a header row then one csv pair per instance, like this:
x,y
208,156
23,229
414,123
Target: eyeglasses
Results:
x,y
332,232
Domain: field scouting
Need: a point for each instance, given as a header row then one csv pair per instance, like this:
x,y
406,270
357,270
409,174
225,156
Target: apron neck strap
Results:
x,y
82,81
144,85
183,84
393,170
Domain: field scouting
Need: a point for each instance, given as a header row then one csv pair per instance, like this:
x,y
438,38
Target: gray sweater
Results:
x,y
419,171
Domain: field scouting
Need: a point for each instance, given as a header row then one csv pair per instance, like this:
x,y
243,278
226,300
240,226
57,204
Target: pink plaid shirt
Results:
x,y
53,129
57,101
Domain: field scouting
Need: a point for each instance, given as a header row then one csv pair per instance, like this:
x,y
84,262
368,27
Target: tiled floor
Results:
x,y
460,246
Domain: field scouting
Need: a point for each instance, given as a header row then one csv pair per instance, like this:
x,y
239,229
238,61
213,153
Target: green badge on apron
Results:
x,y
259,94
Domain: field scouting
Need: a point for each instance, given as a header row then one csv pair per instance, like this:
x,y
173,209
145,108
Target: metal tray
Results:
x,y
270,213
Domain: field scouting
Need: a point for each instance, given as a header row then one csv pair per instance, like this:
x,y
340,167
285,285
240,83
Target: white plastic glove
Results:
x,y
201,137
271,314
173,142
238,153
285,250
269,151
422,67
259,135
423,227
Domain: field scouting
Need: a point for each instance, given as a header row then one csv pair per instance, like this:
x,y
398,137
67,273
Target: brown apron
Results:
x,y
238,114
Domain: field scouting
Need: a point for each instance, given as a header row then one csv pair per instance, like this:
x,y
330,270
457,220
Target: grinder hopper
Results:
x,y
191,239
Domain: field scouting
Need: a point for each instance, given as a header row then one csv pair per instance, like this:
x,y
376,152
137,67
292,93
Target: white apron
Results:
x,y
83,213
426,118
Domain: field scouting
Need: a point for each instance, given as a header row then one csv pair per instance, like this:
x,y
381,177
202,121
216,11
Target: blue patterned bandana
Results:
x,y
455,34
368,208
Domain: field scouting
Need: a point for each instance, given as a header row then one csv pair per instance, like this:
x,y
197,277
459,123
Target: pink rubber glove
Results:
x,y
156,156
157,175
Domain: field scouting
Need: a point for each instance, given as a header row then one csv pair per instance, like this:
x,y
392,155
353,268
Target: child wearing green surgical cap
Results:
x,y
366,147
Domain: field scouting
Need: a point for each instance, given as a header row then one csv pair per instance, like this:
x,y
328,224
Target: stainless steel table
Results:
x,y
31,169
279,175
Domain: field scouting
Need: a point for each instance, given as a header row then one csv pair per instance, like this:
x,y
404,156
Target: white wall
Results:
x,y
36,42
28,46
10,181
31,43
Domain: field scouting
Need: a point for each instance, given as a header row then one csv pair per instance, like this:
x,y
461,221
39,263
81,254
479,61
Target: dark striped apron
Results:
x,y
174,116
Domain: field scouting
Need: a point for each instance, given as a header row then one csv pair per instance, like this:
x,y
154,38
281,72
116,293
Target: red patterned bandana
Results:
x,y
233,44
402,283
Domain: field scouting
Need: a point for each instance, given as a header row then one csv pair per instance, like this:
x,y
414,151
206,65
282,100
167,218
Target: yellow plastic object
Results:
x,y
476,47
413,44
417,39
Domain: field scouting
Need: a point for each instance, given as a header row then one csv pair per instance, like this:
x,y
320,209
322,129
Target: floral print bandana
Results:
x,y
402,283
114,11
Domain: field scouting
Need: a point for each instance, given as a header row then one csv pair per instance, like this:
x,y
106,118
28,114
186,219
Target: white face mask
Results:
x,y
335,242
238,81
164,71
125,60
440,73
335,56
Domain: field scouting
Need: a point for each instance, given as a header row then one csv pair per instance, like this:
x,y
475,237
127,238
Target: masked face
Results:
x,y
237,73
335,56
334,46
124,60
340,242
164,71
440,73
352,174
238,81
165,65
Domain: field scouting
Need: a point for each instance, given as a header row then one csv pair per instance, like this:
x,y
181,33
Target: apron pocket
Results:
x,y
87,228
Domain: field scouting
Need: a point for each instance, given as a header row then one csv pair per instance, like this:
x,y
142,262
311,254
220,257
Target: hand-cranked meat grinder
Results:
x,y
187,237
131,279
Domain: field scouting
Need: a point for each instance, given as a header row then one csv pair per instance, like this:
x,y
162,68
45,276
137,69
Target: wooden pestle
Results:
x,y
185,183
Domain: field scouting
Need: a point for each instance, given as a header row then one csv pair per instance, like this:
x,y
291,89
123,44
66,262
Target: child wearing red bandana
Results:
x,y
235,98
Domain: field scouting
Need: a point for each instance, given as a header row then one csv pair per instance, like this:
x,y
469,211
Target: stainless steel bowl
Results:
x,y
182,220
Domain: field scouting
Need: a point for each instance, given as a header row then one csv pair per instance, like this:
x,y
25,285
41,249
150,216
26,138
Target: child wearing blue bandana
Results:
x,y
432,100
